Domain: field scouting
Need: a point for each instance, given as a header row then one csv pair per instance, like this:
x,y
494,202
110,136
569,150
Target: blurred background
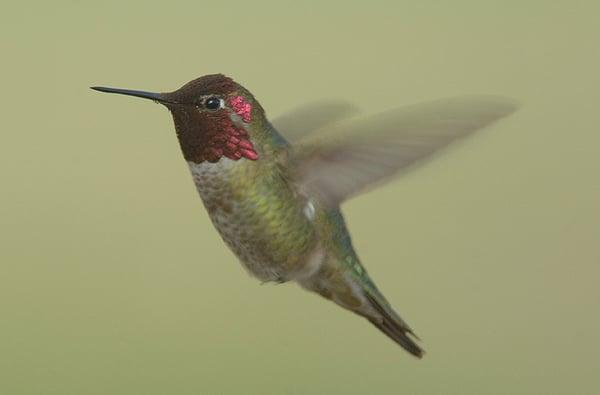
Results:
x,y
113,280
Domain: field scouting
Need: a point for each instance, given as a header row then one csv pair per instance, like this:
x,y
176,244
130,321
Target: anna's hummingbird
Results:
x,y
276,202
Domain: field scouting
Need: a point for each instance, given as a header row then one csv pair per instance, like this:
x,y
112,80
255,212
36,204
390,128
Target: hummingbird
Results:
x,y
275,197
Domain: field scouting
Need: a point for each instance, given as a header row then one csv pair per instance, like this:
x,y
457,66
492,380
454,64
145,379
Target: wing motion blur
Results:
x,y
355,156
305,119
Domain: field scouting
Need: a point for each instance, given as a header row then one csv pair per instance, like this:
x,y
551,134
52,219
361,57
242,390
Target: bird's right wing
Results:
x,y
358,155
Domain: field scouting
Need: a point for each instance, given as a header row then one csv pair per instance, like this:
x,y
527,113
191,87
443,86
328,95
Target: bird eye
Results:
x,y
213,103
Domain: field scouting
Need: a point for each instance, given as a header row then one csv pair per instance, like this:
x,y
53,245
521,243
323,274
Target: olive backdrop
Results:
x,y
113,280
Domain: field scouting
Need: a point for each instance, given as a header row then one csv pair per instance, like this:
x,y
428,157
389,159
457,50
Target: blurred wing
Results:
x,y
303,120
372,150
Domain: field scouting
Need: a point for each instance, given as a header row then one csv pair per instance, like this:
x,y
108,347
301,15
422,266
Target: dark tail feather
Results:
x,y
393,326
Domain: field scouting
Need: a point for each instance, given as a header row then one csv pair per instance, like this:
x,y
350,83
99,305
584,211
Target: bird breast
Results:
x,y
260,217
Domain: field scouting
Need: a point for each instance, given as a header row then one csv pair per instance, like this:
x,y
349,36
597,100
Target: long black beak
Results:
x,y
158,97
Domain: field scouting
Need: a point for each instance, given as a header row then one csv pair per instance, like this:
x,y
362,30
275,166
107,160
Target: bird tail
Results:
x,y
390,323
355,291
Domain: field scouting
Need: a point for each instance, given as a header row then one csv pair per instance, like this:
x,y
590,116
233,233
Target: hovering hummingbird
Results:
x,y
276,201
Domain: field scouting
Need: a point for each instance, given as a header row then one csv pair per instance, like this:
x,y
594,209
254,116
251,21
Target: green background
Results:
x,y
113,281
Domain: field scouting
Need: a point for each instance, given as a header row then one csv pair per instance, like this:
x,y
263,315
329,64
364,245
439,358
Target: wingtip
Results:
x,y
505,105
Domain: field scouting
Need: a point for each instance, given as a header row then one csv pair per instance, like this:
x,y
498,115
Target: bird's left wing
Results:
x,y
305,119
372,150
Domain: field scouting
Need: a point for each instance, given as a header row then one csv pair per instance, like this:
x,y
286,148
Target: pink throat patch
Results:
x,y
228,139
232,143
241,108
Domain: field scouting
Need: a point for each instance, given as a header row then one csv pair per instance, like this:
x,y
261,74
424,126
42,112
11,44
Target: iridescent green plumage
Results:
x,y
276,204
257,214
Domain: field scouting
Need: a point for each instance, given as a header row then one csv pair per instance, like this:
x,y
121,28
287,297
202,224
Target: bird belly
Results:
x,y
258,218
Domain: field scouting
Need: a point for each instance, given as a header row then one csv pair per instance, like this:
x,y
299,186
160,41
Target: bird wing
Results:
x,y
305,119
355,156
